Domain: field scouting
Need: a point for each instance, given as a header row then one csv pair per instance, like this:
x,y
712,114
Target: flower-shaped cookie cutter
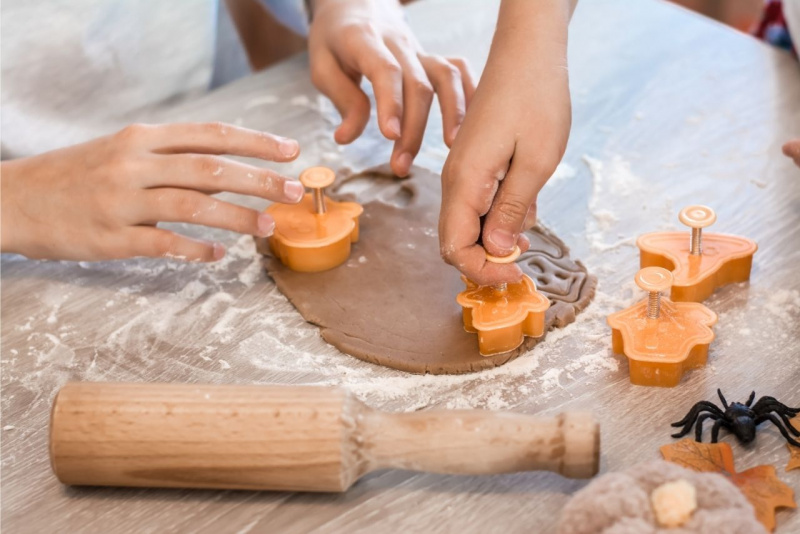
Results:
x,y
662,339
316,234
502,315
701,264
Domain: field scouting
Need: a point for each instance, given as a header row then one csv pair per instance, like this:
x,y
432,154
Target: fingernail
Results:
x,y
454,132
393,125
503,239
404,161
293,190
288,147
266,225
219,251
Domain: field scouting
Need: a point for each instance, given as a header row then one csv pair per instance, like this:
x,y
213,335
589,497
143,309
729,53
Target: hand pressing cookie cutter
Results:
x,y
662,339
502,315
314,235
702,264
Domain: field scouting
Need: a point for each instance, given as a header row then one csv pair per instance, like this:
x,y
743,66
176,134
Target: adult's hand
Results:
x,y
102,199
350,39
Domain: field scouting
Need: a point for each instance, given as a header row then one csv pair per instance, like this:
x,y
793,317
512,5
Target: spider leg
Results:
x,y
750,399
722,398
784,417
696,409
719,423
777,422
698,430
765,402
689,421
769,401
789,426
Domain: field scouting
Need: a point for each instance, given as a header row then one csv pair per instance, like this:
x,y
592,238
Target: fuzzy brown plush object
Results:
x,y
620,503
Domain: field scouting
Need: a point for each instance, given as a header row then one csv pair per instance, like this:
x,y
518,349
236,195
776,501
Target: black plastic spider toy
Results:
x,y
741,419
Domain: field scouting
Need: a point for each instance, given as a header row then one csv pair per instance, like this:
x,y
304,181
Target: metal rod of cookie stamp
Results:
x,y
319,200
654,305
697,236
317,179
654,280
697,217
503,286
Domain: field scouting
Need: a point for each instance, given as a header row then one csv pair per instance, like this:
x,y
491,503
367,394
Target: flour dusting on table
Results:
x,y
246,328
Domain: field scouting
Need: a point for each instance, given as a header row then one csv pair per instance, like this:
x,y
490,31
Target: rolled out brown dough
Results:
x,y
393,302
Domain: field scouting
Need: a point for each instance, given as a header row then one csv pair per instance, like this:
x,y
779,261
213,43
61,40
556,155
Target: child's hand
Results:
x,y
792,149
354,38
102,199
511,142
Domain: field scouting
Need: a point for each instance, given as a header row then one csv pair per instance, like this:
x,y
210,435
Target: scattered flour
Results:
x,y
331,157
550,378
783,302
230,307
264,100
564,172
300,100
613,185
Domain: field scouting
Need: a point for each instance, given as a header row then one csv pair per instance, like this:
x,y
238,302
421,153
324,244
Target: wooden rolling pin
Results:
x,y
291,438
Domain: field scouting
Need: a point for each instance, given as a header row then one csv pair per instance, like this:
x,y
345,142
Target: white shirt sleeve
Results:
x,y
73,70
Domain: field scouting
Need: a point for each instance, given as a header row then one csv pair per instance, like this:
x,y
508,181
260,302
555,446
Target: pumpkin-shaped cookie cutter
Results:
x,y
662,339
316,234
502,315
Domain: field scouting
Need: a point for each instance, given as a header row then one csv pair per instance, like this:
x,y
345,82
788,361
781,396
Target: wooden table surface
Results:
x,y
669,109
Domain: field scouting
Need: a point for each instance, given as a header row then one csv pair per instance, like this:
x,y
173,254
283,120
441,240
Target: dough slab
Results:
x,y
393,302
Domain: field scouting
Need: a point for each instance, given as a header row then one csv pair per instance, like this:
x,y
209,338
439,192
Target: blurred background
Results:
x,y
266,48
743,15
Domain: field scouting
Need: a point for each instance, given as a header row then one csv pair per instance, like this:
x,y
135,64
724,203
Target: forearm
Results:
x,y
313,6
531,35
529,57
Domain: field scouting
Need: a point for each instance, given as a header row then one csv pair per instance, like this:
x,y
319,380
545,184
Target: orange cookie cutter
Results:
x,y
502,315
700,264
662,339
316,234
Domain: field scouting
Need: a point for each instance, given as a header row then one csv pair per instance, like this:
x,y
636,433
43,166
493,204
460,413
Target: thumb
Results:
x,y
351,102
511,209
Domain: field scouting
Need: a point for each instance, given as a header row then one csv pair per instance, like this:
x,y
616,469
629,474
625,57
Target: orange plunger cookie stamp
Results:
x,y
702,264
662,339
314,235
504,314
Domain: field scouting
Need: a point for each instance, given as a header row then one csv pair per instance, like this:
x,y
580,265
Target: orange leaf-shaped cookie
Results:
x,y
760,484
794,458
794,452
